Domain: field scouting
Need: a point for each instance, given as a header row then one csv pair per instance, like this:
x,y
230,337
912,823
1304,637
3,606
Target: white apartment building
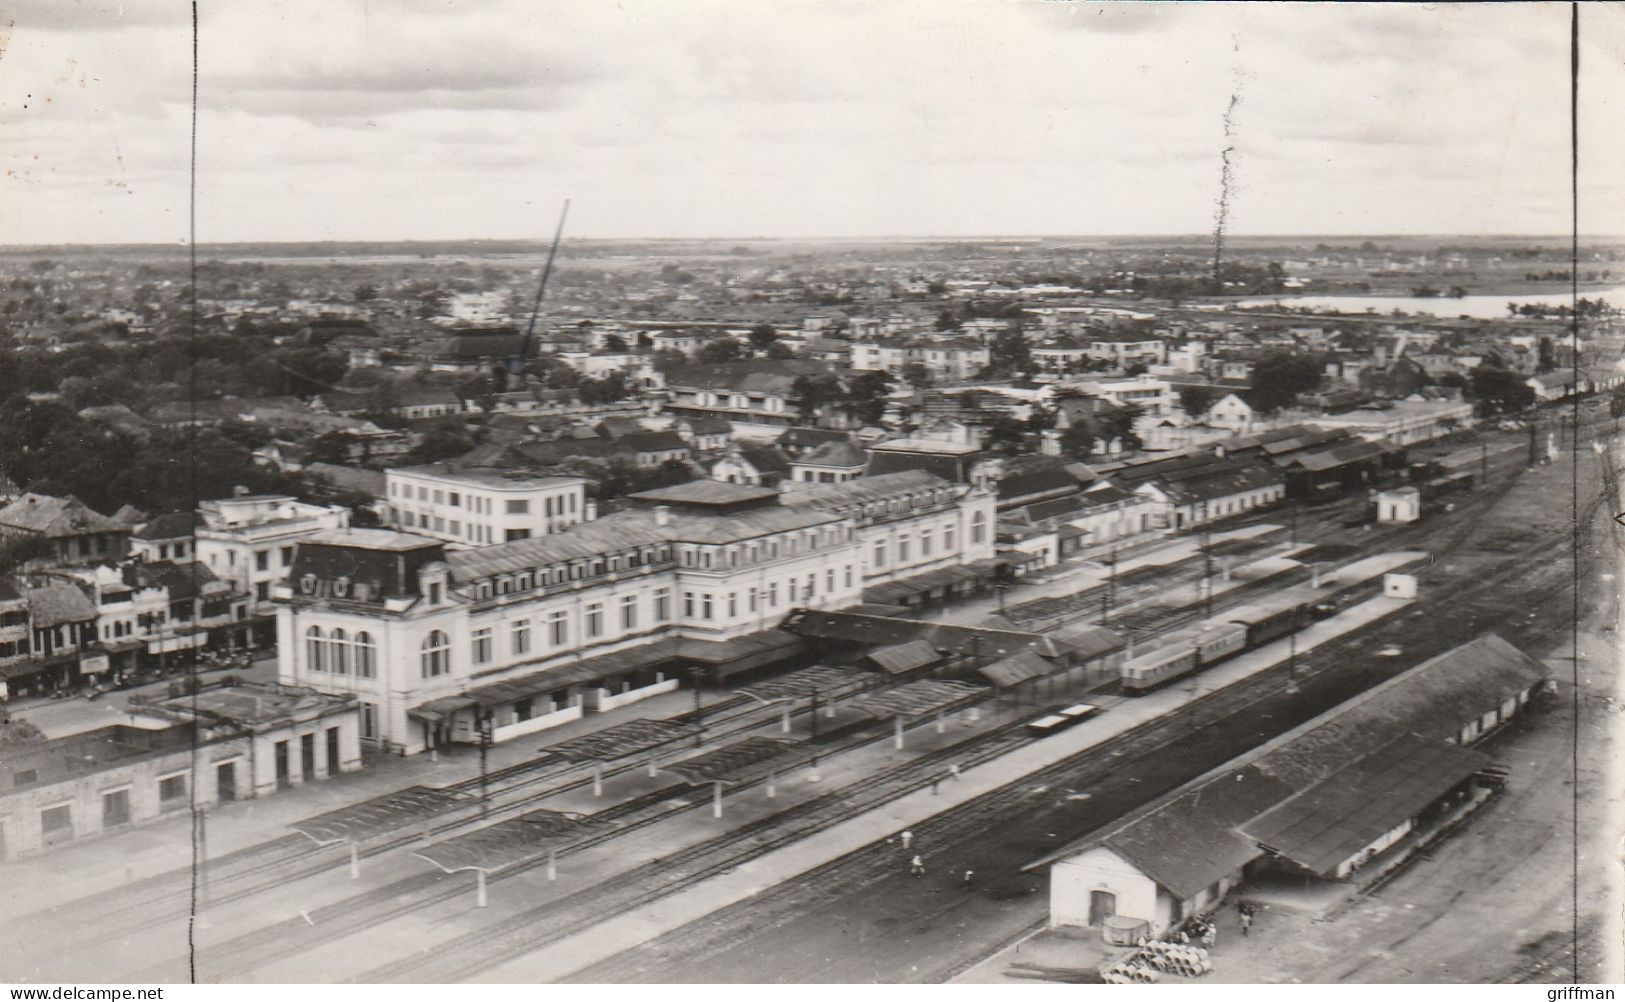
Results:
x,y
481,507
533,633
1153,396
909,522
248,541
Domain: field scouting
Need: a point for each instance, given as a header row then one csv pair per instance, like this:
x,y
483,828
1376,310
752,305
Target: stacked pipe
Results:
x,y
1174,958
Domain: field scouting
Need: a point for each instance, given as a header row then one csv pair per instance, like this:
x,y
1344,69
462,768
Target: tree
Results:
x,y
1010,353
946,320
605,390
1279,378
811,393
1120,425
868,395
779,351
445,441
365,293
1195,400
1078,440
1497,391
614,342
1006,431
916,374
763,337
1547,355
724,349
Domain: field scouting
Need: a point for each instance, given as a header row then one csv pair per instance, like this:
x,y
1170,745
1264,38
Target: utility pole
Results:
x,y
1111,583
1207,570
1532,434
813,737
484,724
695,674
1483,463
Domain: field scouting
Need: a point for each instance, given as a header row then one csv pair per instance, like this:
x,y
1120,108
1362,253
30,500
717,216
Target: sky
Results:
x,y
447,119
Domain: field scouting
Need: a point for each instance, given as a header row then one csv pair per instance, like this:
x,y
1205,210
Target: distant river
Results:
x,y
1481,307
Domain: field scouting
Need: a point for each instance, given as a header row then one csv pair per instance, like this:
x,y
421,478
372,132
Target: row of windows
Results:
x,y
542,577
551,504
927,541
340,654
435,656
746,554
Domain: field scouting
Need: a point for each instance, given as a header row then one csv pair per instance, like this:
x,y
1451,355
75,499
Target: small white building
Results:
x,y
481,507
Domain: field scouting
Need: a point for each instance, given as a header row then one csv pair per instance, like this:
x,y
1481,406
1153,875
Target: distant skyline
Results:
x,y
357,120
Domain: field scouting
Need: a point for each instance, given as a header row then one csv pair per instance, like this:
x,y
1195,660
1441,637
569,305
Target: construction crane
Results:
x,y
517,365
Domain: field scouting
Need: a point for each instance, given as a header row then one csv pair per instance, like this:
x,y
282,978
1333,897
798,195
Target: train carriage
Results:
x,y
1219,641
1268,621
1161,665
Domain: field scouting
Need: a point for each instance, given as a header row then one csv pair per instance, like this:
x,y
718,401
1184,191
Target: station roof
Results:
x,y
511,841
1333,820
863,628
380,815
805,682
915,699
1231,547
1144,575
906,657
739,762
1016,670
1089,642
619,741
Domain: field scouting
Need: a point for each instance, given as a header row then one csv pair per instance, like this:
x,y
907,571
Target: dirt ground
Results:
x,y
1495,901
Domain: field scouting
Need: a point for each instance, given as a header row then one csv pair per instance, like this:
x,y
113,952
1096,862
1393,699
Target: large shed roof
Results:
x,y
739,762
916,698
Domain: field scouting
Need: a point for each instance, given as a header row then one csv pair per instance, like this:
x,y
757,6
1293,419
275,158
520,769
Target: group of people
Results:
x,y
916,863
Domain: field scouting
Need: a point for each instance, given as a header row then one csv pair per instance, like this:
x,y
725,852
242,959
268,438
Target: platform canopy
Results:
x,y
1232,547
513,841
380,816
915,699
1017,669
1146,575
619,741
899,659
806,681
741,761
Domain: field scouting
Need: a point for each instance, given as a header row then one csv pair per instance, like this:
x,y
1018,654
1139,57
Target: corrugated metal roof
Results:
x,y
1336,818
511,841
1015,670
906,657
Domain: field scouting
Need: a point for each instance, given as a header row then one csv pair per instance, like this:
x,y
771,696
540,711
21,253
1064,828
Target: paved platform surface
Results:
x,y
869,831
97,863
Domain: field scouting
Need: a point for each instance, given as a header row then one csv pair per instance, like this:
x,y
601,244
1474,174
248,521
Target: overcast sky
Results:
x,y
383,119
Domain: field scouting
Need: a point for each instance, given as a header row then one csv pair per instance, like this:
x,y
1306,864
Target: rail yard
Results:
x,y
751,838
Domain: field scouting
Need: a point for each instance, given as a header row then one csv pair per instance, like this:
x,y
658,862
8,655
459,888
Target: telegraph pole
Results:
x,y
485,747
1111,583
1483,463
1207,570
695,674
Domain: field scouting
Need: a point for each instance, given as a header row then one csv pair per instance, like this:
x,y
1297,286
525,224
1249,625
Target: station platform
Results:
x,y
37,882
869,831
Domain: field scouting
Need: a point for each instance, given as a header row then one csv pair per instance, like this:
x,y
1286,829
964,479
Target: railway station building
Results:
x,y
227,741
1345,797
495,642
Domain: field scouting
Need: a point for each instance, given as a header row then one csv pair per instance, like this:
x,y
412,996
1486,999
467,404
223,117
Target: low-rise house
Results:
x,y
831,463
757,466
234,740
75,533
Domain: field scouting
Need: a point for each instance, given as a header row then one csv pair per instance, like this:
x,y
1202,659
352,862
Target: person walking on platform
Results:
x,y
968,875
907,838
916,867
1246,921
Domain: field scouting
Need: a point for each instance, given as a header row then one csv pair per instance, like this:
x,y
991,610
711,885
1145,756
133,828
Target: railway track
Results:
x,y
290,858
680,955
371,908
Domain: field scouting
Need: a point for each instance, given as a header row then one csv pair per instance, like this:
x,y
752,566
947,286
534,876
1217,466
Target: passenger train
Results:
x,y
1193,649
